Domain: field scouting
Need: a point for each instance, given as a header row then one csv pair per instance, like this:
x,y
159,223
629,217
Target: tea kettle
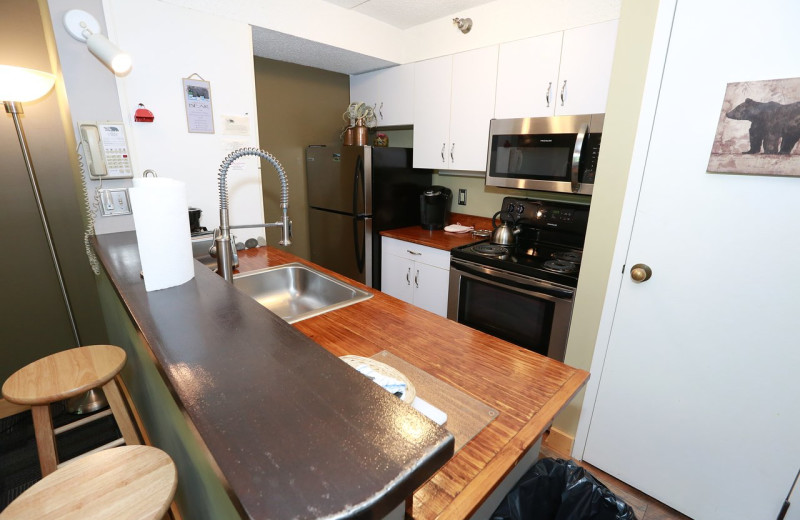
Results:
x,y
504,234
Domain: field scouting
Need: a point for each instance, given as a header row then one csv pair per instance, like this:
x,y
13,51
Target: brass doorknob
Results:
x,y
641,273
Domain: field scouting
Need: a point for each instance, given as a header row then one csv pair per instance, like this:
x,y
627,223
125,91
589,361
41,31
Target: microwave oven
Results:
x,y
545,153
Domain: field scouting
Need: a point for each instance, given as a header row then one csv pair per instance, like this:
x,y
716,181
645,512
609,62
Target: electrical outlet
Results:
x,y
462,196
114,202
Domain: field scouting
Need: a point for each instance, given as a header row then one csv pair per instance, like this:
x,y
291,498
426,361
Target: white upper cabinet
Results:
x,y
527,77
432,80
586,58
453,103
556,74
390,91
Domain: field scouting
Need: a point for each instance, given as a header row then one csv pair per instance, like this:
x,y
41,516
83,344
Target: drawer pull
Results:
x,y
412,252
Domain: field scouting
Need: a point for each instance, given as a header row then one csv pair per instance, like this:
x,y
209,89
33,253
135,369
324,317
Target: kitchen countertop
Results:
x,y
440,239
526,389
294,432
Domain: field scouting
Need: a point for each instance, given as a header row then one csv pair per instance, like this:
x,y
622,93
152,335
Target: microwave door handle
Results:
x,y
576,157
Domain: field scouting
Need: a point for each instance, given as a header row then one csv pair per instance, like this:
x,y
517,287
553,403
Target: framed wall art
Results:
x,y
759,129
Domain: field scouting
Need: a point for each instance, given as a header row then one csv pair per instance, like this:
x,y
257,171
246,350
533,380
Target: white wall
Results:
x,y
313,20
168,43
503,21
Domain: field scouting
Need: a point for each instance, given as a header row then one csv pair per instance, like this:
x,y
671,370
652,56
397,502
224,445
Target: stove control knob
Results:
x,y
641,273
510,207
520,209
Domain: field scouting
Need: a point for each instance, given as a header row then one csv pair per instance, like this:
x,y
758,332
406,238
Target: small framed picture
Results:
x,y
199,114
759,129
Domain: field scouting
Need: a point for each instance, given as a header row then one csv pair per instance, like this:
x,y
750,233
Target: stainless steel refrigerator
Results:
x,y
354,193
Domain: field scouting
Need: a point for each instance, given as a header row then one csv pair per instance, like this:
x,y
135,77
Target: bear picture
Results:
x,y
759,129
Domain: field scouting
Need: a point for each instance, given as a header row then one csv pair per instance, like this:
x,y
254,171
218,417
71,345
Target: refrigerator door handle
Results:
x,y
358,179
360,248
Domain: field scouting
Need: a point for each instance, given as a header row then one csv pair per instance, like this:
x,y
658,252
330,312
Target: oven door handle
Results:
x,y
519,282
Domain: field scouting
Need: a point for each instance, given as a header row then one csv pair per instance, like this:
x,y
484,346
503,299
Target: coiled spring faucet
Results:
x,y
223,240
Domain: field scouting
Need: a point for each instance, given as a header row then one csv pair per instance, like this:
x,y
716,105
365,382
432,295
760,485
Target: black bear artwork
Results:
x,y
772,124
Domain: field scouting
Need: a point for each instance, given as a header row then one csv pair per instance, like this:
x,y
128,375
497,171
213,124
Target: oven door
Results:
x,y
531,313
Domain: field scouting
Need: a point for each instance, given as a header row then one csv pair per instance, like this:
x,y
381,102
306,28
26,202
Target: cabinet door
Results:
x,y
430,288
390,91
432,80
527,77
586,57
364,87
395,96
471,108
397,277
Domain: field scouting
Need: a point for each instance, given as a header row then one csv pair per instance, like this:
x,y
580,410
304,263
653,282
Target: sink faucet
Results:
x,y
222,240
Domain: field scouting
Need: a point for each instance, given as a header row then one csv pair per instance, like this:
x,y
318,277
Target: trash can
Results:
x,y
557,489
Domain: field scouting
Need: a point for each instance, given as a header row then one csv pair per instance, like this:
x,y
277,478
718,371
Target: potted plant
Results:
x,y
358,118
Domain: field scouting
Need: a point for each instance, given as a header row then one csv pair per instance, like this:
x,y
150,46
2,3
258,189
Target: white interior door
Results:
x,y
698,402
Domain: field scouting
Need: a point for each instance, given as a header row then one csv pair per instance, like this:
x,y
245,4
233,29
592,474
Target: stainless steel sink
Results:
x,y
296,292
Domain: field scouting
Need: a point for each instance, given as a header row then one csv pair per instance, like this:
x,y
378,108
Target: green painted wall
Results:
x,y
634,38
297,106
200,494
34,318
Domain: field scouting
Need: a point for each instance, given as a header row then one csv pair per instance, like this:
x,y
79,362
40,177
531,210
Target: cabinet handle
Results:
x,y
563,92
547,93
408,277
416,279
443,146
452,147
380,111
410,252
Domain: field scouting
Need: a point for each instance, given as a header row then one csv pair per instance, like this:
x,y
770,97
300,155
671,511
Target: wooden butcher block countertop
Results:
x,y
527,389
440,239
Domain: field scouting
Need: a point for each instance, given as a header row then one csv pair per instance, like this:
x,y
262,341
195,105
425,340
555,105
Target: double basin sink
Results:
x,y
292,291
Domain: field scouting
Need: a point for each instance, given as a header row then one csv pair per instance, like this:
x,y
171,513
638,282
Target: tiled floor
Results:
x,y
644,506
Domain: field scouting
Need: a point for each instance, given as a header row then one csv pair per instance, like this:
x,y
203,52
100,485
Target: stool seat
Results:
x,y
64,374
129,482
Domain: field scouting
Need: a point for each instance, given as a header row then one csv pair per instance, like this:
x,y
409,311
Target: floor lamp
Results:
x,y
18,85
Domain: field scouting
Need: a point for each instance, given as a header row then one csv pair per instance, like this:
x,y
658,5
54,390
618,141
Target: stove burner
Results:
x,y
490,250
560,266
568,256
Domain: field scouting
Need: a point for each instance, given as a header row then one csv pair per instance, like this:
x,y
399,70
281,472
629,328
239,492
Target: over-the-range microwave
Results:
x,y
545,153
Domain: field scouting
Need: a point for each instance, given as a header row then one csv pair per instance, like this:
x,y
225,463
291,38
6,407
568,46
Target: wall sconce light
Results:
x,y
463,24
85,28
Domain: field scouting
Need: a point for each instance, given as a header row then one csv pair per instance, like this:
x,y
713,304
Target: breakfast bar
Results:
x,y
264,422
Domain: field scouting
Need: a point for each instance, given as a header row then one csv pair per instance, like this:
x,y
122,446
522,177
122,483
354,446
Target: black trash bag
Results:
x,y
556,489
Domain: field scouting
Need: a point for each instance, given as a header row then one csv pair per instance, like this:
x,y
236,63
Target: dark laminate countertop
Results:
x,y
295,432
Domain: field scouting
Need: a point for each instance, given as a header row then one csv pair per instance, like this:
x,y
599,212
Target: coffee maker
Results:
x,y
434,207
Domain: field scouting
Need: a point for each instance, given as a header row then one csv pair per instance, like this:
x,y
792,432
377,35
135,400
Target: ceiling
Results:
x,y
402,14
407,13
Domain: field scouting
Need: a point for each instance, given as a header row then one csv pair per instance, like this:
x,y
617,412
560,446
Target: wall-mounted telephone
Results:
x,y
105,150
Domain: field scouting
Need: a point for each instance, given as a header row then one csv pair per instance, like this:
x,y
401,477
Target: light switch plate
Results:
x,y
114,202
462,196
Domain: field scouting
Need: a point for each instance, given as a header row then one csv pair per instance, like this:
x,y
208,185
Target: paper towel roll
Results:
x,y
161,217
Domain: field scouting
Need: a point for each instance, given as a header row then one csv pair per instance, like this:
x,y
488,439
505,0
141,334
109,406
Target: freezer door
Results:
x,y
335,179
340,243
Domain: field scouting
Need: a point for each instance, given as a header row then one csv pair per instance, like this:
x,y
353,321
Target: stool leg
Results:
x,y
45,438
120,411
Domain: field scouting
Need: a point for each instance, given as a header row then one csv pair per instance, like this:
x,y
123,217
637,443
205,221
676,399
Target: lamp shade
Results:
x,y
23,85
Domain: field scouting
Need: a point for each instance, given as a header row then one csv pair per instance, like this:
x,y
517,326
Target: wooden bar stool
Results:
x,y
130,482
64,375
